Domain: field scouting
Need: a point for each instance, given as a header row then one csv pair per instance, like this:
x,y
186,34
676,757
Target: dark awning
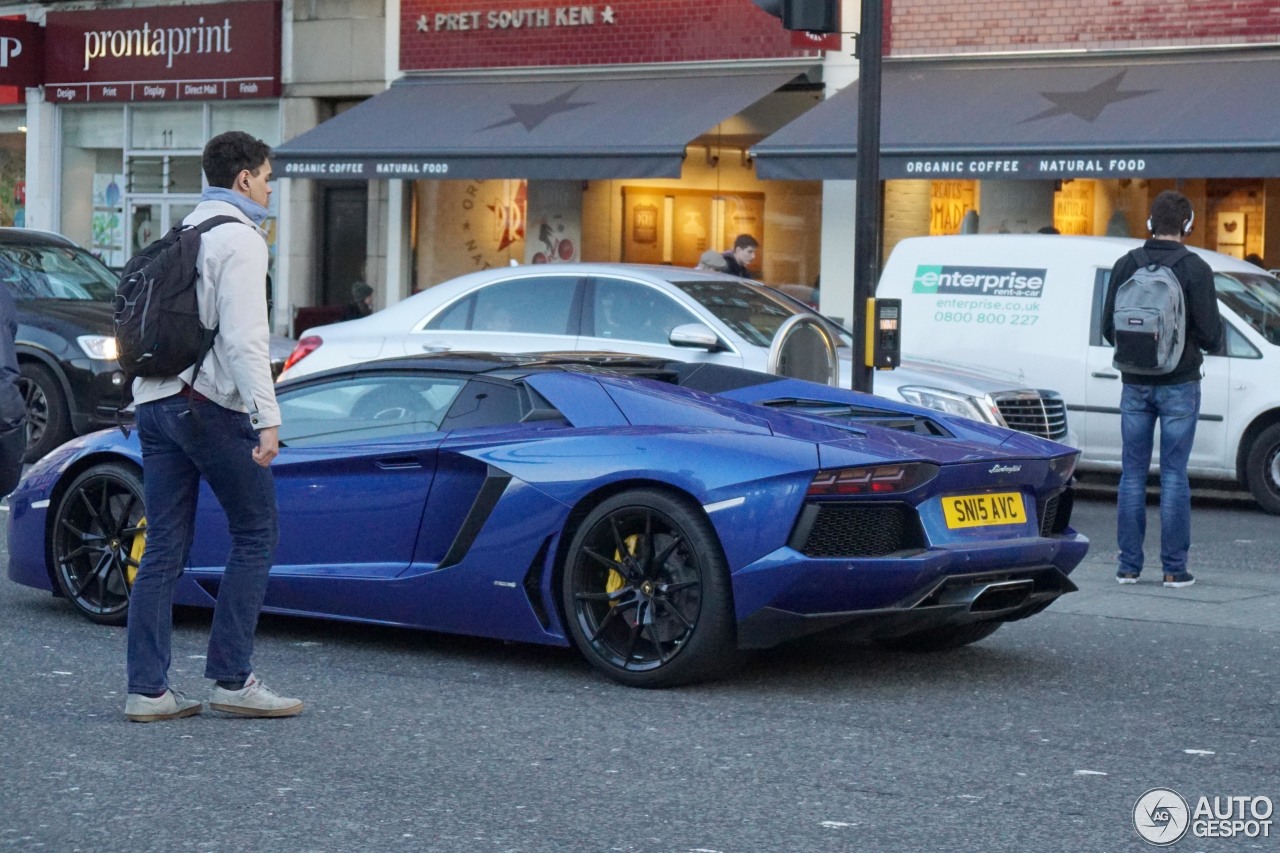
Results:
x,y
1159,117
580,128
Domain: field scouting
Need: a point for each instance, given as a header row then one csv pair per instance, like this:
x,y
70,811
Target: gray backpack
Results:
x,y
1150,318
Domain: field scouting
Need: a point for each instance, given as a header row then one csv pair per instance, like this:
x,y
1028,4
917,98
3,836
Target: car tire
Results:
x,y
942,639
1262,469
98,534
48,420
646,593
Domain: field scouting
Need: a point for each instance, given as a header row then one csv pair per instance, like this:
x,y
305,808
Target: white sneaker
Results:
x,y
170,706
255,699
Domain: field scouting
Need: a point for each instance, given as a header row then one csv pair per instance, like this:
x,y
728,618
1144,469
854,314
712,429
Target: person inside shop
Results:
x,y
361,304
738,259
1048,229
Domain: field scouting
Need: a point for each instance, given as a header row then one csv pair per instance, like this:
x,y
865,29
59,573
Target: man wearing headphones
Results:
x,y
1171,399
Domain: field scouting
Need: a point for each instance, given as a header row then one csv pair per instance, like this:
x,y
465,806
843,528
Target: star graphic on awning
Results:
x,y
532,115
1090,103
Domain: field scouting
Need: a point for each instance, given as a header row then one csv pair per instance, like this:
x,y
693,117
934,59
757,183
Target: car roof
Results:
x,y
33,237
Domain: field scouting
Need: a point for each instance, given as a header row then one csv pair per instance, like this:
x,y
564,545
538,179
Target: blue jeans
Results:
x,y
1176,408
176,453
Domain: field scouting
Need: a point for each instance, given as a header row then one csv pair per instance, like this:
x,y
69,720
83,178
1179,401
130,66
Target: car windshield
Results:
x,y
55,272
1255,297
753,312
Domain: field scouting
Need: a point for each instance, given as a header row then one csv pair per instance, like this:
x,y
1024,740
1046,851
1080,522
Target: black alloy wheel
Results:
x,y
99,531
646,592
48,422
1262,469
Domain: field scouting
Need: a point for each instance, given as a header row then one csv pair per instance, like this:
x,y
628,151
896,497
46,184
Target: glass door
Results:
x,y
150,218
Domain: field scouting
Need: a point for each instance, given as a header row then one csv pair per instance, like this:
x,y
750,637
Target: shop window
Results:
x,y
131,172
166,127
92,127
13,167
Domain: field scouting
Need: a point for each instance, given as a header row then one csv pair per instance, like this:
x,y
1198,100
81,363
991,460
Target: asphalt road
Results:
x,y
1040,738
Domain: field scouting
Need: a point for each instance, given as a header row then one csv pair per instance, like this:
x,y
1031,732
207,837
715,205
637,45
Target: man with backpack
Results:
x,y
1160,313
216,419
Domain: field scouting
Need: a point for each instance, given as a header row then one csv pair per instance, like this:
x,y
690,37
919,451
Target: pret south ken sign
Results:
x,y
164,53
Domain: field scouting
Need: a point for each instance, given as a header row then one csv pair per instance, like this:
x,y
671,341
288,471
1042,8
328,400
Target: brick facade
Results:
x,y
919,27
453,34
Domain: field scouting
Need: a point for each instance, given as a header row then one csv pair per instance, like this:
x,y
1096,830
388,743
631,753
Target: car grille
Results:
x,y
856,530
1041,413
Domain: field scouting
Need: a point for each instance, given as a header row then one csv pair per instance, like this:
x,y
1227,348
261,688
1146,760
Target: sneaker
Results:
x,y
255,699
170,706
1178,581
1126,577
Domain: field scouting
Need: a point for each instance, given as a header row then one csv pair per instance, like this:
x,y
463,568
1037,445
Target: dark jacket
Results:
x,y
732,267
13,410
1204,323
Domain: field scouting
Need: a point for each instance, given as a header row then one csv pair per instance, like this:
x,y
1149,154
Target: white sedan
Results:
x,y
670,312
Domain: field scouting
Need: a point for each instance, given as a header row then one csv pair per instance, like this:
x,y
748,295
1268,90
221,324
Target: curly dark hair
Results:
x,y
1170,213
745,241
228,154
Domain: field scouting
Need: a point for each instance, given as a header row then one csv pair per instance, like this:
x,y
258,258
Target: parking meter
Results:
x,y
884,335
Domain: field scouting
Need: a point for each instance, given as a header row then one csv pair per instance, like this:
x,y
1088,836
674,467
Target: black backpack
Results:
x,y
157,315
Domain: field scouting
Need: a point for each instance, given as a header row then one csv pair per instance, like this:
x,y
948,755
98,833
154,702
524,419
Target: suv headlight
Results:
x,y
952,403
99,347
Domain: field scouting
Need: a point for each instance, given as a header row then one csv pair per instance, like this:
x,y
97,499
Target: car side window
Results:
x,y
367,407
624,310
1100,279
533,304
1235,345
482,404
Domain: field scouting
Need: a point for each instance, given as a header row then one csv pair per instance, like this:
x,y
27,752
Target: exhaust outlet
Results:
x,y
1002,596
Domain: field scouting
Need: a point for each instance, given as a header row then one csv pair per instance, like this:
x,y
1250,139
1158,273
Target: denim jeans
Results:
x,y
176,452
1176,408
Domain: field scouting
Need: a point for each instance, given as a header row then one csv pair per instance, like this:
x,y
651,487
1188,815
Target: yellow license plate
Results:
x,y
984,510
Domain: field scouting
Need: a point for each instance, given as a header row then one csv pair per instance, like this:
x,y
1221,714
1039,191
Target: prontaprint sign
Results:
x,y
200,52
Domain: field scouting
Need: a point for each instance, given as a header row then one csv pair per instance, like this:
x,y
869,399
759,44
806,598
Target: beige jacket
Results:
x,y
236,374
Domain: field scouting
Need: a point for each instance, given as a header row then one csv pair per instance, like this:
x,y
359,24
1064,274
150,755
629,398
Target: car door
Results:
x,y
620,315
357,461
528,313
1099,428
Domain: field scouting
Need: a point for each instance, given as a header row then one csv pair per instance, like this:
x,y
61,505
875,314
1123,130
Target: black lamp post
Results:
x,y
867,216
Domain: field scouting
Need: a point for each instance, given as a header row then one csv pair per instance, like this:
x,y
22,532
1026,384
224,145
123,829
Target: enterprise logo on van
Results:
x,y
979,281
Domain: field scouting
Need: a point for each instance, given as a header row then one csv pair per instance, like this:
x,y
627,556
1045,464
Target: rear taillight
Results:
x,y
305,347
872,479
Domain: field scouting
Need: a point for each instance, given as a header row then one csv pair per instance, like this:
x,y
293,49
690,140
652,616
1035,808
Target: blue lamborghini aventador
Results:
x,y
659,516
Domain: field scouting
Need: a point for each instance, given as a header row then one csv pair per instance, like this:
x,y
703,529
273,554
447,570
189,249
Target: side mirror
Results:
x,y
694,335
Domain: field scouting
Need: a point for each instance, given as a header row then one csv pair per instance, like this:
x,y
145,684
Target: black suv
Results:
x,y
66,339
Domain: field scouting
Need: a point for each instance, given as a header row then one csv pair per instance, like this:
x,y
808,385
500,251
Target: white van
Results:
x,y
1032,304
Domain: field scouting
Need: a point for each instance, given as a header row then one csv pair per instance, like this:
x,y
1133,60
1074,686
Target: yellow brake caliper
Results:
x,y
136,547
615,581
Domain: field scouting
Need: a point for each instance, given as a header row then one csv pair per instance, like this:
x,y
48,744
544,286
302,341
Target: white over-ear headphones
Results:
x,y
1186,228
